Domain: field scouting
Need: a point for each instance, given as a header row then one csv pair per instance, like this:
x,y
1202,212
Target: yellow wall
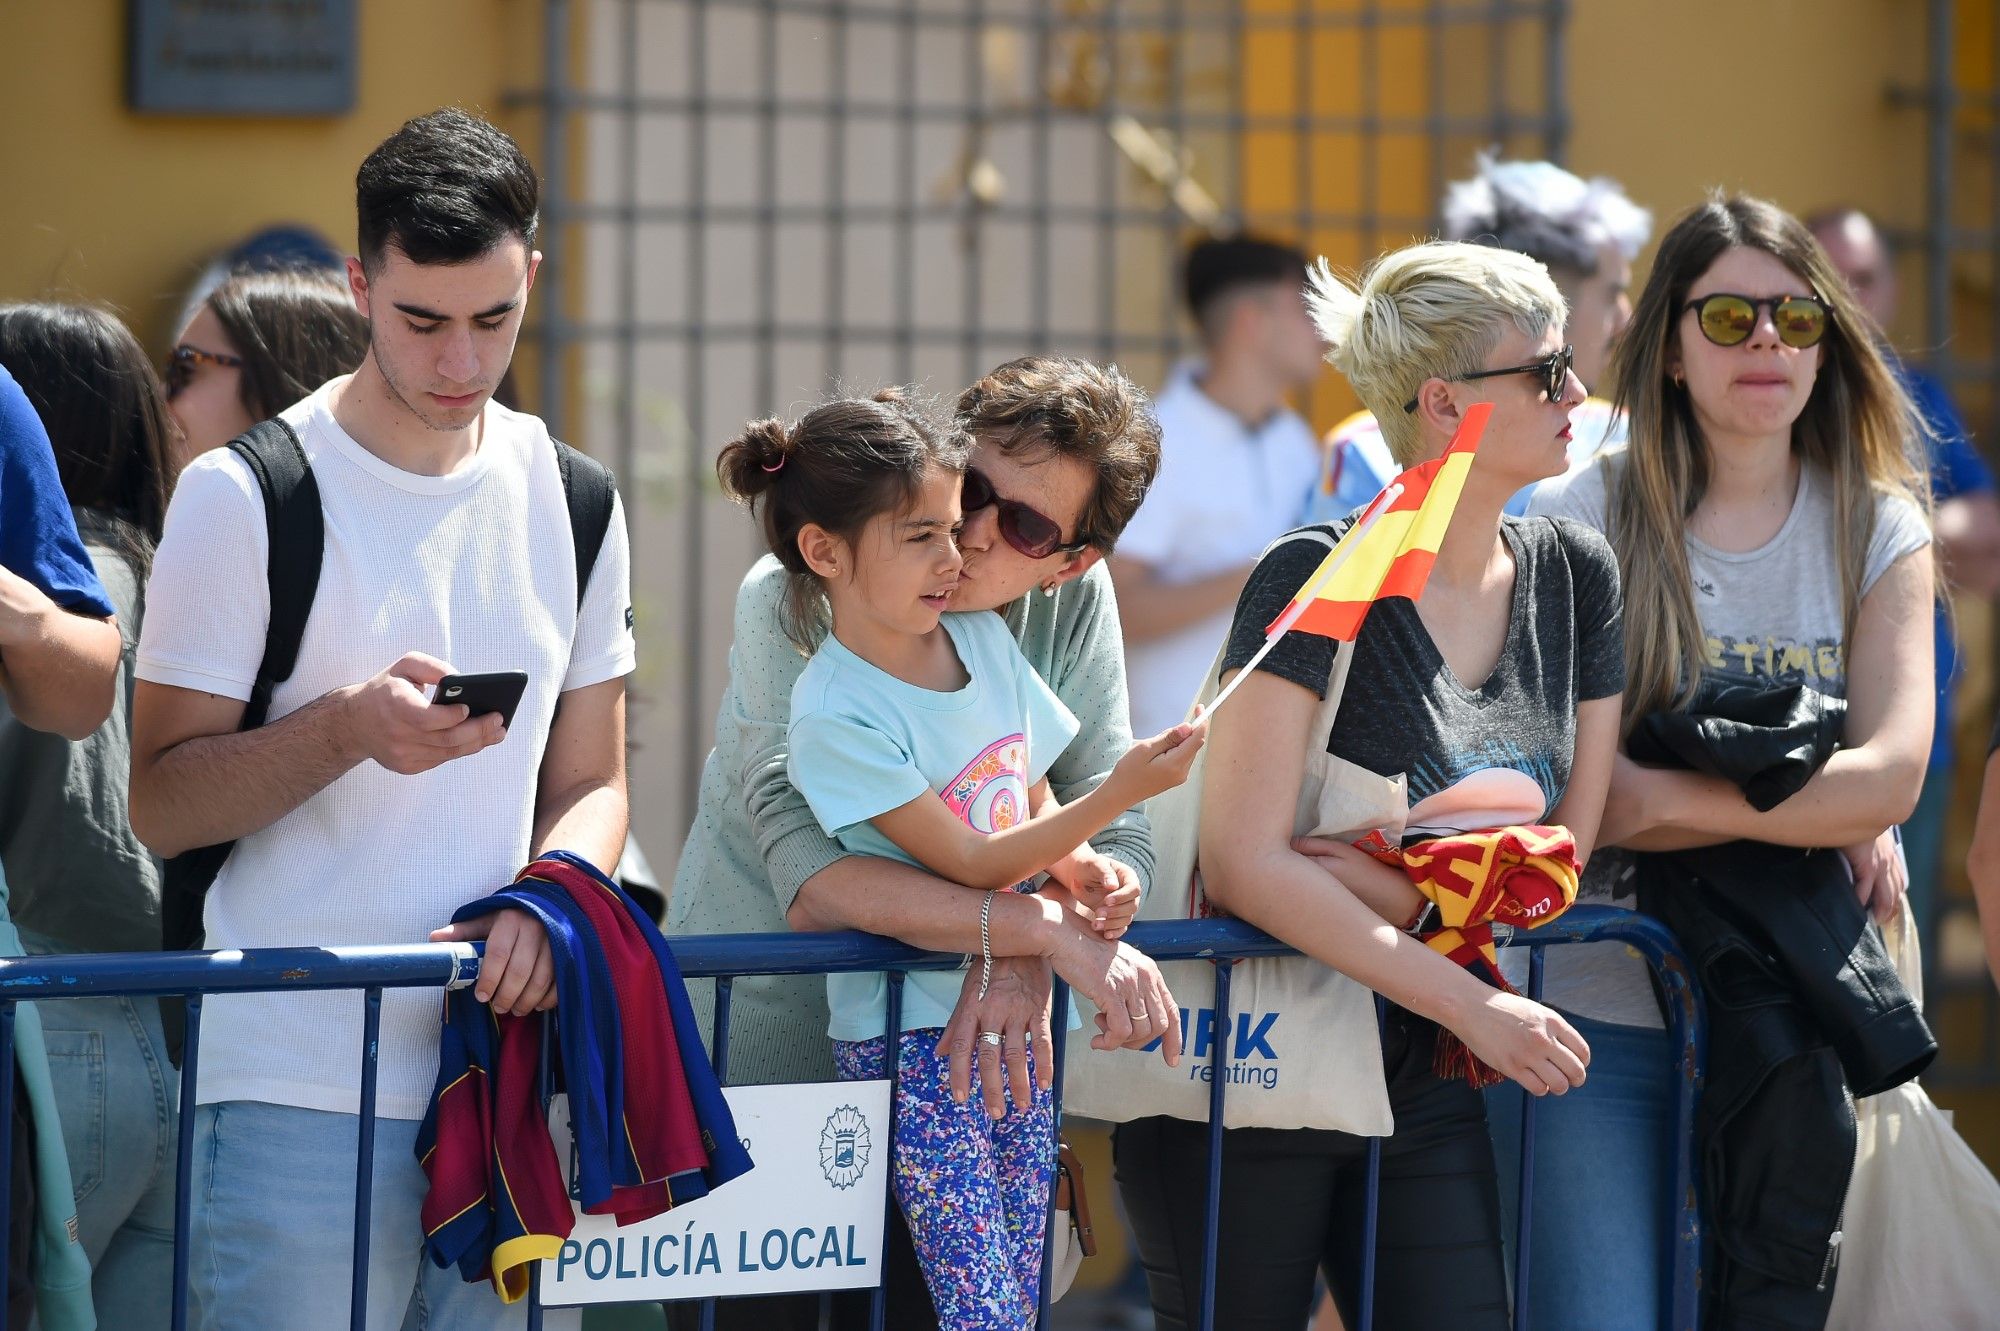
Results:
x,y
1346,178
111,205
1663,100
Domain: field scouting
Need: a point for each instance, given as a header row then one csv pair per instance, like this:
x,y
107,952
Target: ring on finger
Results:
x,y
989,1037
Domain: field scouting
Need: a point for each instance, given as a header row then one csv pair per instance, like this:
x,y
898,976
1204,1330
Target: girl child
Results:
x,y
924,736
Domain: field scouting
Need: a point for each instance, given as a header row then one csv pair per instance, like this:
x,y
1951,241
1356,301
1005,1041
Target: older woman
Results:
x,y
1495,700
1063,451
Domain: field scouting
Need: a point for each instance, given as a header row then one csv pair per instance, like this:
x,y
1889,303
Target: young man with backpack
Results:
x,y
316,580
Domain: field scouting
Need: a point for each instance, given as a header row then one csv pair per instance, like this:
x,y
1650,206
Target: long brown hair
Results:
x,y
295,328
104,410
836,467
1858,427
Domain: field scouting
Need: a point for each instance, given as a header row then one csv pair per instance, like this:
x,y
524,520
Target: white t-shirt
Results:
x,y
475,568
1224,492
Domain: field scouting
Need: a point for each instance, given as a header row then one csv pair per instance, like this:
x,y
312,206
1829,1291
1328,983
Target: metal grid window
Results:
x,y
753,202
1957,250
1956,258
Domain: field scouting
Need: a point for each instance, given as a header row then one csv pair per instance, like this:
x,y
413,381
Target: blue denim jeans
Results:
x,y
273,1240
116,1094
1602,1177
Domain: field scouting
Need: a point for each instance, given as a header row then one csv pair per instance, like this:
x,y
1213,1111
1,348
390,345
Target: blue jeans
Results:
x,y
116,1094
1602,1178
273,1240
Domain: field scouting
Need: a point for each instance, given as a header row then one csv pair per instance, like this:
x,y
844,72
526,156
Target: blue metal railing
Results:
x,y
724,957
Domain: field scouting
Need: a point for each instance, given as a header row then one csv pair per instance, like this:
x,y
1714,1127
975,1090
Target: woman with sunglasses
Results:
x,y
261,341
1493,701
1770,527
1062,452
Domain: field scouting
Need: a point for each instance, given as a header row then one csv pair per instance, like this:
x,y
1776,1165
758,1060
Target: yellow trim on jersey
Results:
x,y
432,1232
510,1263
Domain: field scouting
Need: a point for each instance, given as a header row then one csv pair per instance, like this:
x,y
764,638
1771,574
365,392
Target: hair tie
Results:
x,y
774,467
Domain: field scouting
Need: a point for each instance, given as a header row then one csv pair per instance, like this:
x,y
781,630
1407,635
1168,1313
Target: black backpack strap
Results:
x,y
591,493
294,523
296,528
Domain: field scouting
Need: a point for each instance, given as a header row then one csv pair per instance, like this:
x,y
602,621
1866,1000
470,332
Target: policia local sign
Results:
x,y
242,57
808,1217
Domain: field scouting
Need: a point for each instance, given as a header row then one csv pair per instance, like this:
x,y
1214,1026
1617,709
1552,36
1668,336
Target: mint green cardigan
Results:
x,y
754,842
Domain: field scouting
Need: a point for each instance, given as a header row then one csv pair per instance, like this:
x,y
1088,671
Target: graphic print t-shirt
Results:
x,y
1472,758
863,743
1771,615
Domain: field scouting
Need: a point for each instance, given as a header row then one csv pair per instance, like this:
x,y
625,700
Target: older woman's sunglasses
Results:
x,y
1034,534
1554,369
1728,319
184,360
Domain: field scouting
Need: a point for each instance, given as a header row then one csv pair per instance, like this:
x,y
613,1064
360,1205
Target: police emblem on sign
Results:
x,y
844,1147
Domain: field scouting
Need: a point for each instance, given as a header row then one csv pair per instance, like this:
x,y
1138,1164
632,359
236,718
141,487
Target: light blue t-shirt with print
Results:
x,y
863,743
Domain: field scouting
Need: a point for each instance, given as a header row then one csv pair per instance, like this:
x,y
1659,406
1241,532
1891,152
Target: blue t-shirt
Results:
x,y
38,539
863,743
1955,469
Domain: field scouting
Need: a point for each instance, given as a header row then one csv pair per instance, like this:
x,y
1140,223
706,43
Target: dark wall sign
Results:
x,y
243,57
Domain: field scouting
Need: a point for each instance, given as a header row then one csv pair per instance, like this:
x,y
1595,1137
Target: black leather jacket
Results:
x,y
1805,1011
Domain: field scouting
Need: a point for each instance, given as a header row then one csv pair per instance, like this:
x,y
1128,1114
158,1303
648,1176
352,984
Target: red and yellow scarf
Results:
x,y
1523,876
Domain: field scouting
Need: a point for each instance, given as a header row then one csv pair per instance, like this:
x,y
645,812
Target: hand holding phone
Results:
x,y
496,691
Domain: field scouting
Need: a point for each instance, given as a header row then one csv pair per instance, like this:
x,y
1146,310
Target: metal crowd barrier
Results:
x,y
725,957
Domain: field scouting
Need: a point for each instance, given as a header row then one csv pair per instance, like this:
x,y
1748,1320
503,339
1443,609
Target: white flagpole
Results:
x,y
1310,592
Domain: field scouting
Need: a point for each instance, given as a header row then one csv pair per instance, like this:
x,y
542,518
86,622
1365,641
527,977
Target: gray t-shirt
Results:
x,y
81,881
1772,614
1472,757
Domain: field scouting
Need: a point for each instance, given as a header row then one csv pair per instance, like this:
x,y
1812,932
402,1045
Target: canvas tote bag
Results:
x,y
1922,1227
1301,1045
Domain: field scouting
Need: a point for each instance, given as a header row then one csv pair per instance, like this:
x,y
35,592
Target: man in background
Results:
x,y
1967,519
1237,465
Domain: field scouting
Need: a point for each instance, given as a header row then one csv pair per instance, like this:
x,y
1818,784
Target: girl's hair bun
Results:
x,y
751,463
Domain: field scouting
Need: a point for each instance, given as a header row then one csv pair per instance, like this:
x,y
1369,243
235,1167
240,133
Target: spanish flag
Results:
x,y
1390,549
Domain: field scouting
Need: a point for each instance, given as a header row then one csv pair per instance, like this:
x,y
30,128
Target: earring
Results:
x,y
1680,381
1049,590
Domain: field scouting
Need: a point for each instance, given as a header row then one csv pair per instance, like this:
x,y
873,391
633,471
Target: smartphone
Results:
x,y
499,691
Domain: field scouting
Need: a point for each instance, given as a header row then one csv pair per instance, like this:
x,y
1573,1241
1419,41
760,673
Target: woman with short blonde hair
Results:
x,y
1493,702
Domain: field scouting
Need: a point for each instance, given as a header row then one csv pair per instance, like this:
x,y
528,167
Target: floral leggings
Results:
x,y
974,1190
